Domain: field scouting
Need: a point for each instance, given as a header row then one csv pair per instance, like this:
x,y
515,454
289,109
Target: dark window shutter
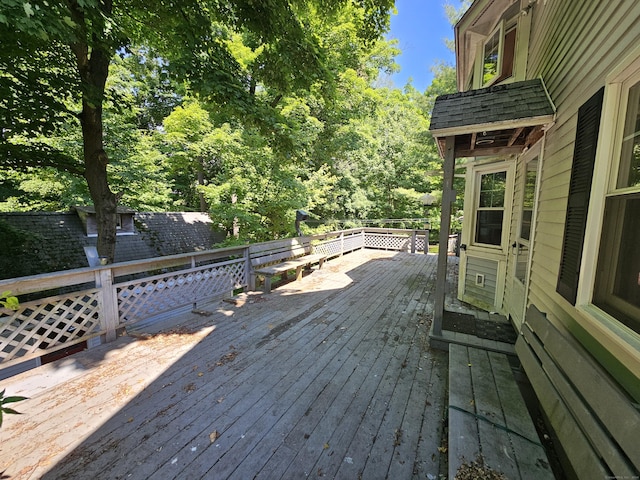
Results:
x,y
584,156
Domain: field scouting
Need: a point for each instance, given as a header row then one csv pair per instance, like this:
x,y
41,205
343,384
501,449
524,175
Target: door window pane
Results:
x,y
522,243
527,201
489,227
490,211
492,187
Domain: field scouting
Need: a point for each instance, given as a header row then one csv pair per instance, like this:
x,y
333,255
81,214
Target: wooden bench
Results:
x,y
595,420
488,420
297,264
279,257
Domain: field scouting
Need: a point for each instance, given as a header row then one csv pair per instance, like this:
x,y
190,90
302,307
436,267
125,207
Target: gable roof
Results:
x,y
499,116
41,242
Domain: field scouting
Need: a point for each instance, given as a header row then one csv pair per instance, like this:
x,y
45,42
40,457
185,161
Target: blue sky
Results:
x,y
421,27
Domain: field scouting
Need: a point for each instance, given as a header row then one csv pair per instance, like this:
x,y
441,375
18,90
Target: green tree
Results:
x,y
255,191
63,50
186,139
136,169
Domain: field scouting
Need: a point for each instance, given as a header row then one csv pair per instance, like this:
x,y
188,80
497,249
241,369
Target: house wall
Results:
x,y
583,363
574,46
580,359
481,276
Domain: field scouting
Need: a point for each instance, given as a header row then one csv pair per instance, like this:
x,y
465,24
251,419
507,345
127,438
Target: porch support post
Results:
x,y
448,197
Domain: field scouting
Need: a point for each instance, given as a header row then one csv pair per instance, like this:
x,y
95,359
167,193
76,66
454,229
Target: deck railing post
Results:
x,y
109,317
341,243
249,276
414,236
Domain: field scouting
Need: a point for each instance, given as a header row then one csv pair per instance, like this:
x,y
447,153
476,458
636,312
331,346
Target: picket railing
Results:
x,y
61,309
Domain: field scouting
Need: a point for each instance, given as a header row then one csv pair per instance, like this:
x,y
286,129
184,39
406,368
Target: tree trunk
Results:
x,y
104,200
93,68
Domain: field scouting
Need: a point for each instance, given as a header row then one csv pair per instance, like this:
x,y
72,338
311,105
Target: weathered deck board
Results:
x,y
464,441
488,419
328,377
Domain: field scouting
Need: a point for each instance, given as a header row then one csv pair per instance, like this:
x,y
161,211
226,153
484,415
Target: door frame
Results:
x,y
496,253
518,292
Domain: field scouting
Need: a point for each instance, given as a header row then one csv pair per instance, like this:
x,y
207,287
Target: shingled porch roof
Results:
x,y
500,119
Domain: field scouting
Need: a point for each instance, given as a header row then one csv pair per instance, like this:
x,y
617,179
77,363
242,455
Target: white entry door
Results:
x,y
485,233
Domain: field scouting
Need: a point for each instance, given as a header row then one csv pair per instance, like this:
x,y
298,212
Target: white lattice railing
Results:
x,y
145,298
61,309
395,239
38,325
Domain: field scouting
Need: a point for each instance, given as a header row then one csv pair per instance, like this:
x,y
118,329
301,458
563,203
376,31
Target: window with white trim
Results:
x,y
490,208
498,53
617,285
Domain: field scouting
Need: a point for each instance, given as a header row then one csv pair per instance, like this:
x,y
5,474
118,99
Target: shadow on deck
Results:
x,y
328,377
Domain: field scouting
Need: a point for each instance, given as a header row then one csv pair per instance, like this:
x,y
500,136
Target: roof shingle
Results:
x,y
497,103
41,242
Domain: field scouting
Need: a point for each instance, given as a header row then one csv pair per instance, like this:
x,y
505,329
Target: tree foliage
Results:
x,y
248,110
67,48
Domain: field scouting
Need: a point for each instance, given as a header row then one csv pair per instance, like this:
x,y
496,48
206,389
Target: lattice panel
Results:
x,y
353,242
330,248
151,296
389,242
44,324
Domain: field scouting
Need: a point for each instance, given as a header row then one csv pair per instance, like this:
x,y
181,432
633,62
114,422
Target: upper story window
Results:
x,y
498,54
492,43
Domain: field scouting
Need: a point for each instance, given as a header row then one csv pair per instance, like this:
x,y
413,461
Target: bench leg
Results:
x,y
267,284
320,263
299,272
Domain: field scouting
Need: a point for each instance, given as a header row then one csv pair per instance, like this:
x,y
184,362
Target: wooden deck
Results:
x,y
328,377
488,420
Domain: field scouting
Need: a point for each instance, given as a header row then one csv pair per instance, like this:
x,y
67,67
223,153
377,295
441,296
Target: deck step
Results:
x,y
488,420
